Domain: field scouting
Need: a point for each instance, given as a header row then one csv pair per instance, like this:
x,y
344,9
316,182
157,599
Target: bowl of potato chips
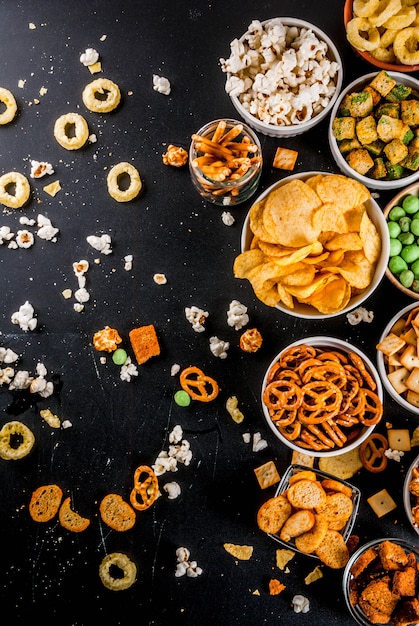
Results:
x,y
384,38
314,245
322,396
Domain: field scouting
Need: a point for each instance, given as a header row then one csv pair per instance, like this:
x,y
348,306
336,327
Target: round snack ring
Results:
x,y
21,187
198,385
101,95
365,8
282,394
390,8
135,185
405,45
353,32
16,441
64,127
372,453
8,99
145,490
121,563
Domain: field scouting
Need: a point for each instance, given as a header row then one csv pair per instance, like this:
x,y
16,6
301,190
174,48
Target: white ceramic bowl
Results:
x,y
355,86
347,580
326,343
408,499
397,200
294,129
381,361
306,311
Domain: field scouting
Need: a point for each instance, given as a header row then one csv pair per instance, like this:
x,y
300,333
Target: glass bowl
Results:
x,y
408,499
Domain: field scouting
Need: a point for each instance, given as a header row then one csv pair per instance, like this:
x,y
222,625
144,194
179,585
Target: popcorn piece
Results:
x,y
219,347
160,279
102,243
128,370
5,234
394,455
179,451
89,57
237,315
258,443
196,317
128,262
360,315
300,604
40,168
227,218
46,230
6,375
21,380
161,84
25,317
82,295
8,356
24,239
185,566
172,489
175,369
175,156
25,221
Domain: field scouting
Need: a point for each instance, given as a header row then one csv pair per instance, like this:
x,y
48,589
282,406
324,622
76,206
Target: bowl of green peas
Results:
x,y
402,216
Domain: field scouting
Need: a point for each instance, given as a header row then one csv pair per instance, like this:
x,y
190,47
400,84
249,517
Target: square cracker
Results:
x,y
144,343
382,503
267,475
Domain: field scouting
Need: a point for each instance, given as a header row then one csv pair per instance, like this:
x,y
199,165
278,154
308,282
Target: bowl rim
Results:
x,y
357,614
339,159
381,364
393,202
295,128
309,312
326,341
356,498
406,493
347,16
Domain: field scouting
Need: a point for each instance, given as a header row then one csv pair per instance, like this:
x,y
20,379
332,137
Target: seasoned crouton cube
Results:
x,y
392,109
375,148
392,555
383,83
379,171
395,151
366,130
389,128
395,171
360,160
347,145
376,97
398,93
343,128
360,104
410,112
411,162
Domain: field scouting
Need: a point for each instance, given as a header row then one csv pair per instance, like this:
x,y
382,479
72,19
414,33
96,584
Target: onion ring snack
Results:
x,y
16,440
113,181
17,182
71,131
101,95
8,100
112,566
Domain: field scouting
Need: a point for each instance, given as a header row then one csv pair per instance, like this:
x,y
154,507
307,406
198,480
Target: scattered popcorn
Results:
x,y
92,139
247,437
24,239
237,315
5,234
80,267
102,243
21,83
128,262
179,451
43,91
66,424
394,455
6,375
233,410
128,369
160,279
25,221
21,380
175,369
219,347
175,436
8,356
258,443
46,230
172,489
40,168
161,85
82,295
78,307
25,317
89,57
360,315
13,245
184,566
281,75
32,26
300,604
227,218
196,317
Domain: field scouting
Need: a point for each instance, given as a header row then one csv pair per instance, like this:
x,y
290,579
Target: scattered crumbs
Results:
x,y
160,279
314,575
256,592
32,26
175,369
95,67
43,91
21,83
67,293
103,37
66,424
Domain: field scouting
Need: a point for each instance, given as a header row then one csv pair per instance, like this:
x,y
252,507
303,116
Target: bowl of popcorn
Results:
x,y
380,583
372,130
312,392
283,76
402,215
312,513
314,245
383,34
398,358
411,494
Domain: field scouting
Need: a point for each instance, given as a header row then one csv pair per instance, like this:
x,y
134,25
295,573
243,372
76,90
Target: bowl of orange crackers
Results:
x,y
322,396
314,245
398,357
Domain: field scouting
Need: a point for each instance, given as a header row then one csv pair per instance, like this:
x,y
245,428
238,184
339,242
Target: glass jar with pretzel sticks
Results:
x,y
225,162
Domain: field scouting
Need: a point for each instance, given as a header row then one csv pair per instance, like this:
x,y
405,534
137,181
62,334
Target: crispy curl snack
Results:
x,y
16,441
71,131
113,181
355,29
8,99
21,193
198,385
117,571
101,95
146,488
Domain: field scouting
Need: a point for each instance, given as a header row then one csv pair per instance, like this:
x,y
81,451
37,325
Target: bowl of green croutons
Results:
x,y
373,130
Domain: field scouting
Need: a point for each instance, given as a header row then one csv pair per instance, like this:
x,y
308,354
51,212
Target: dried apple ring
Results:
x,y
117,571
71,131
365,8
101,95
115,175
14,190
198,385
146,488
8,99
406,45
391,7
358,25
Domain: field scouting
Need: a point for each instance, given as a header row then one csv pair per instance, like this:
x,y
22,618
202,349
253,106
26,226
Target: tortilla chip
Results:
x,y
243,553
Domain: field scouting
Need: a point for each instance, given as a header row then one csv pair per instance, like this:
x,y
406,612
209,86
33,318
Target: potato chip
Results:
x,y
246,261
344,241
303,276
329,217
355,268
333,297
285,297
243,553
341,190
256,222
305,291
370,238
300,253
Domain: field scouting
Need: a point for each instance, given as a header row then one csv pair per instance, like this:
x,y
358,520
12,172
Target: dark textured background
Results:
x,y
46,572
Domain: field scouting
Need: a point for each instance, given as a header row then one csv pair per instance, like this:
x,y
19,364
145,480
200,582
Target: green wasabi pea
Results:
x,y
182,398
406,238
396,213
395,247
406,278
414,227
119,356
394,229
404,223
397,265
415,269
410,204
410,254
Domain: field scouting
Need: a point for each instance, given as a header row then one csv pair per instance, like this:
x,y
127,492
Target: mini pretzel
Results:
x,y
198,385
145,489
373,411
282,394
319,395
360,365
372,453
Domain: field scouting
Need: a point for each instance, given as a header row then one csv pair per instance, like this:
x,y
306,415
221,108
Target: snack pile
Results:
x,y
312,241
